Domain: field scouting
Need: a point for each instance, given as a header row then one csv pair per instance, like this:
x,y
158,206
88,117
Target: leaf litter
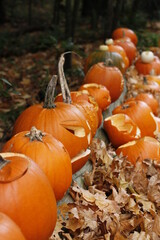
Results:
x,y
121,201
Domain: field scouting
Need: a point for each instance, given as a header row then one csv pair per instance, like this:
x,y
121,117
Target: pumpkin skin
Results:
x,y
121,129
78,164
65,122
141,114
27,197
48,153
152,68
148,86
103,55
129,48
115,48
149,99
99,92
125,32
153,78
9,230
157,119
88,106
108,76
140,149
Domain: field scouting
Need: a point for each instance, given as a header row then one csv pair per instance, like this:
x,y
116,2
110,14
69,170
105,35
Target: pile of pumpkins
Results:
x,y
50,141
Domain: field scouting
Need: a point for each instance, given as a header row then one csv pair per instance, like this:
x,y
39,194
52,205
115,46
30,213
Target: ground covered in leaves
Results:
x,y
120,201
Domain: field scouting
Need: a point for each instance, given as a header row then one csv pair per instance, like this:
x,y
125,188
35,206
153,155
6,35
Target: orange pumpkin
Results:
x,y
62,120
99,92
157,119
147,86
79,161
115,48
138,150
88,106
109,76
153,78
125,32
141,114
26,196
145,68
9,230
48,153
128,46
149,99
120,129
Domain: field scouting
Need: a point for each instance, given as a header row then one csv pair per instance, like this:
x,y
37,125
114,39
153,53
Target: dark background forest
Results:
x,y
33,34
33,25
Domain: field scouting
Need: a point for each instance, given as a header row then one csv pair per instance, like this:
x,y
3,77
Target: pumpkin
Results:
x,y
125,32
103,55
153,78
79,161
48,153
128,46
27,196
149,99
140,149
9,230
157,119
106,75
115,48
147,63
120,129
62,120
99,92
147,86
88,106
147,56
141,114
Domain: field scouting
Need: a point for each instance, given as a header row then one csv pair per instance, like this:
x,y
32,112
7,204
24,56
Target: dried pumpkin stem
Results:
x,y
3,162
145,81
63,82
35,134
109,62
49,96
125,106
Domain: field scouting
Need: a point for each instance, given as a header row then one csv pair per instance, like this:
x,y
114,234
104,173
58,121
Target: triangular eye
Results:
x,y
77,131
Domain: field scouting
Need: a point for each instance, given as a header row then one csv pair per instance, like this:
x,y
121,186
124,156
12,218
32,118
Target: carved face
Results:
x,y
65,122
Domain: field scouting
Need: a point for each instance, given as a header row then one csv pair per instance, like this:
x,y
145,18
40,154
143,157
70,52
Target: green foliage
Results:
x,y
11,44
6,88
147,39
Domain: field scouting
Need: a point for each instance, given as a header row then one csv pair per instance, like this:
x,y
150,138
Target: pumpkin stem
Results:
x,y
123,34
3,162
35,134
63,82
145,81
49,95
109,62
125,106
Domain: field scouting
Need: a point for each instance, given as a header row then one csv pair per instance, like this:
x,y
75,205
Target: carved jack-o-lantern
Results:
x,y
63,121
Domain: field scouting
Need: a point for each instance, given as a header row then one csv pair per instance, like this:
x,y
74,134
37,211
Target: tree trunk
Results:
x,y
117,14
108,18
2,12
68,32
56,12
29,12
74,17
